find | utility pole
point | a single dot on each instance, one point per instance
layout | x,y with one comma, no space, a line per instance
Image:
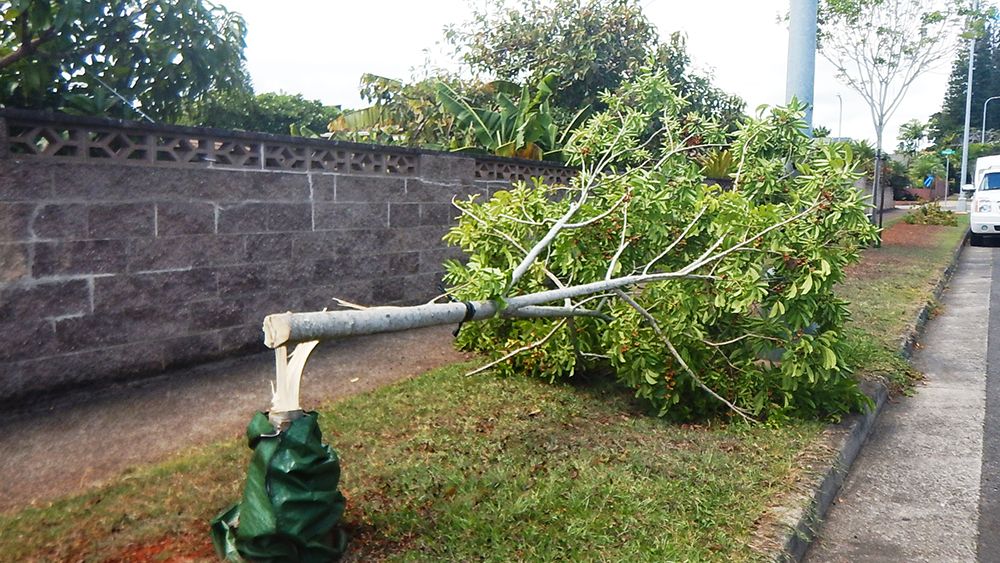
968,113
801,71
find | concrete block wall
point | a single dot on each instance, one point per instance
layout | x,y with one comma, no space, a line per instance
116,268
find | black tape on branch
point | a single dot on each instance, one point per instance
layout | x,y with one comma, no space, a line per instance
470,311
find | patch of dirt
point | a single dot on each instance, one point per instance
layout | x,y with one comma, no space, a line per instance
904,234
185,548
874,266
367,543
875,263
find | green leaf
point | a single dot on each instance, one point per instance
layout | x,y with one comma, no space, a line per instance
807,284
829,358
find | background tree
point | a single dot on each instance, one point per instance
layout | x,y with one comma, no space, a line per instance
891,174
879,47
911,136
408,114
895,174
270,112
703,98
924,165
163,54
947,126
518,123
592,45
864,152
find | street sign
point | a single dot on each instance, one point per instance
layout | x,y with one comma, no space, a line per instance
928,181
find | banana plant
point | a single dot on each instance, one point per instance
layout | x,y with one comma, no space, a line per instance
400,114
373,124
524,128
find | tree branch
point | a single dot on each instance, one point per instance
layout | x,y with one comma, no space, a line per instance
677,240
300,327
548,312
27,49
673,351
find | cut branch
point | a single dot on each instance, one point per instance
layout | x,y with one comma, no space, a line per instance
285,328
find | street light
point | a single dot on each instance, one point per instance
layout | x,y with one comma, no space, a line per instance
968,115
982,138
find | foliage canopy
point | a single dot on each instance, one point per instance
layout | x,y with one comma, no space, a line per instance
519,123
946,126
164,54
592,45
880,47
924,165
405,113
759,324
911,136
568,52
270,112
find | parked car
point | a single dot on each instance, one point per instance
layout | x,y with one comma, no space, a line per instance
985,211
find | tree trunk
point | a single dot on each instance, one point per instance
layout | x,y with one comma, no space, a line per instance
878,194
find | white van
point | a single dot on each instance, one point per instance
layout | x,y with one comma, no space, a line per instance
985,211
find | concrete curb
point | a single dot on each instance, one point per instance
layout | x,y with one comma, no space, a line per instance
807,519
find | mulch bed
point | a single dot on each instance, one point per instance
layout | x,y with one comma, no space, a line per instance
875,263
904,234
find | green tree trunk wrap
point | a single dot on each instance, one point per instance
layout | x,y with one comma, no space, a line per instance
291,504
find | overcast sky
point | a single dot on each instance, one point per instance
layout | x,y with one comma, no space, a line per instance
320,48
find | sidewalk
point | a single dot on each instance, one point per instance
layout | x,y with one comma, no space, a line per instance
913,492
82,440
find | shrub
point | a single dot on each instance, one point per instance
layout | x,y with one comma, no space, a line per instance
931,214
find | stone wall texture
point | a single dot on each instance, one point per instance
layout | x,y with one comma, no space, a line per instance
129,249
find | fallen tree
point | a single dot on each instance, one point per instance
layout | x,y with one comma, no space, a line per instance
697,296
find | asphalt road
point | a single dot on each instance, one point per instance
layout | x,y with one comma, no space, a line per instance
926,487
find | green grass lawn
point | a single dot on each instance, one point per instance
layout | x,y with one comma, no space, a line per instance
452,467
447,466
889,288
